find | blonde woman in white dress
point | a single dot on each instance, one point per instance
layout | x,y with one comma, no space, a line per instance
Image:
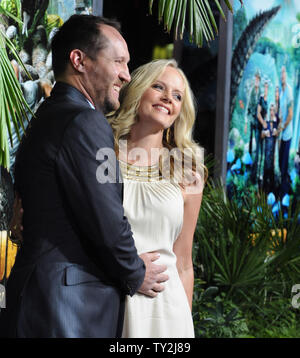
156,115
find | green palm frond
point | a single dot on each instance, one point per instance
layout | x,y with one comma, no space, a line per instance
13,12
194,15
13,106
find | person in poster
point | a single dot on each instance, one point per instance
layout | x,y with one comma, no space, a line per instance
265,38
252,115
286,106
269,136
262,110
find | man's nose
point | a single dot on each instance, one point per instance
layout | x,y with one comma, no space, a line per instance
125,75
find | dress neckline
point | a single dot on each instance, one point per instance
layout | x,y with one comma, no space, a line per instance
140,173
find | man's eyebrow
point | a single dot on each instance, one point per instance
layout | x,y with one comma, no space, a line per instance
123,58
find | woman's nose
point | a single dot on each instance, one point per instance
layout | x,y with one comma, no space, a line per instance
166,96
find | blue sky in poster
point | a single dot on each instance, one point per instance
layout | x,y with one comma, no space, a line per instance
65,8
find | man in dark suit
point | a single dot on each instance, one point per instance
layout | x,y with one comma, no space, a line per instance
78,259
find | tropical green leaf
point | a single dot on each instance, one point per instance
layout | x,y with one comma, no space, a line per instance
13,107
161,7
199,23
227,2
220,9
244,250
9,14
211,16
191,18
170,13
182,18
179,17
199,27
150,6
205,19
11,47
210,292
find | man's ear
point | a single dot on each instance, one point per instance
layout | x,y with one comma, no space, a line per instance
77,59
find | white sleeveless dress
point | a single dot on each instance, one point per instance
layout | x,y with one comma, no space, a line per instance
154,208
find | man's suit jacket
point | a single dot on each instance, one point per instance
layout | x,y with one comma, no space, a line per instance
78,258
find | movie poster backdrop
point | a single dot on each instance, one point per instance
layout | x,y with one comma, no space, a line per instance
264,129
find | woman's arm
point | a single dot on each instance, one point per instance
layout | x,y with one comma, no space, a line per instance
184,244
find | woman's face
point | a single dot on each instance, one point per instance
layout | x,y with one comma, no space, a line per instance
161,104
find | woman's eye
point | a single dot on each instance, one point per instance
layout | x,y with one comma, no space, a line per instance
158,86
178,97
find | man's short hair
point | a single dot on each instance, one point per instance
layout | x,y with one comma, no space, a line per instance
78,32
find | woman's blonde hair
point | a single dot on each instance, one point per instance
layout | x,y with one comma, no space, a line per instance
179,135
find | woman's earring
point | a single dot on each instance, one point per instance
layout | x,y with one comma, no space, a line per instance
168,132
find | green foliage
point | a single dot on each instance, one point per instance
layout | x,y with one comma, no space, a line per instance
241,188
224,230
196,15
214,316
13,9
253,259
12,103
275,319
